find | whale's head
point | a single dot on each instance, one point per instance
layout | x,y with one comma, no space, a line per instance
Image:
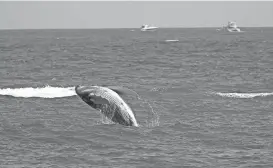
86,93
83,91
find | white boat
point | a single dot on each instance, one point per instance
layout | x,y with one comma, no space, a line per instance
232,27
148,28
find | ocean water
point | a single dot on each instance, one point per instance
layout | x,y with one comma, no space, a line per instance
210,94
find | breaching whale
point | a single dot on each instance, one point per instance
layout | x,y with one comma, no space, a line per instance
108,101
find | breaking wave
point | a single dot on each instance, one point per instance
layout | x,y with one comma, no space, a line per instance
41,92
244,95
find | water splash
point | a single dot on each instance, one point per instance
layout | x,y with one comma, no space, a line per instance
154,120
105,120
41,92
243,95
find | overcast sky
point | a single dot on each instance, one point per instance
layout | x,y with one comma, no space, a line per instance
50,14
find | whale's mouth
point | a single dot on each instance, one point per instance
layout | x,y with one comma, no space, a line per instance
79,90
82,90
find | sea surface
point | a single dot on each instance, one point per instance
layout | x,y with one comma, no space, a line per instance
206,98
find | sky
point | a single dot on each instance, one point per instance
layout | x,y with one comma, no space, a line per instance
132,14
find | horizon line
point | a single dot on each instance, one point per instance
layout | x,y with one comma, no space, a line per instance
126,28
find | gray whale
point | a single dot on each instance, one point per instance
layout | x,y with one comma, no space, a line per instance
108,102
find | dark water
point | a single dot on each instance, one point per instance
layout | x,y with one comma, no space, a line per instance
211,91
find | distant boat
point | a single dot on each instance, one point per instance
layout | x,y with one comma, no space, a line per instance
231,27
148,28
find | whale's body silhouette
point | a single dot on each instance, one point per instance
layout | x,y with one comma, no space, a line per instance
108,102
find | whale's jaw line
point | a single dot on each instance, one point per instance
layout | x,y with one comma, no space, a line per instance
83,90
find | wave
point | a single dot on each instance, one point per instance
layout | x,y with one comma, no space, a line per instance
41,92
244,95
172,40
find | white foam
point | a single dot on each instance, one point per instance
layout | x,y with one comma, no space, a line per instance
244,95
171,40
42,92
